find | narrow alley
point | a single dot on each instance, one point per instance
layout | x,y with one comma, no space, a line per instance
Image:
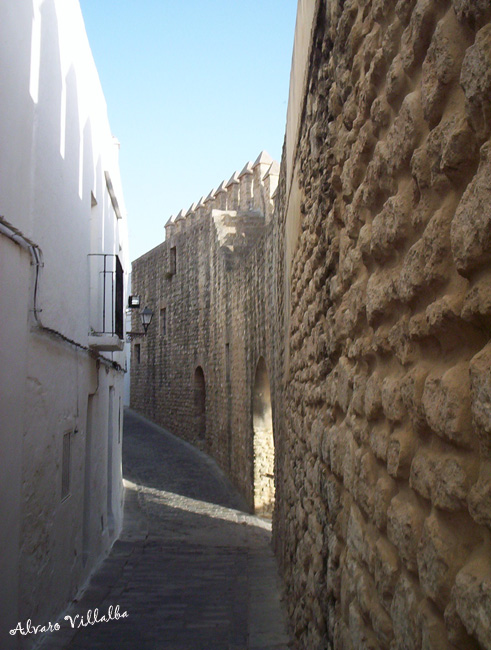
192,569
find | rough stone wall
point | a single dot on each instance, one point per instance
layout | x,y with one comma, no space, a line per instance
384,489
219,316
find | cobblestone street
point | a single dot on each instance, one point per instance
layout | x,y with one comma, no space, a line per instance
192,569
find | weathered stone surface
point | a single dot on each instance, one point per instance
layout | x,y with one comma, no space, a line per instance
475,79
447,404
441,66
472,593
385,490
440,555
480,372
477,303
387,569
433,632
444,478
471,226
405,520
405,614
480,496
400,452
473,12
426,264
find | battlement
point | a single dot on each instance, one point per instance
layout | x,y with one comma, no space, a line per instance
250,191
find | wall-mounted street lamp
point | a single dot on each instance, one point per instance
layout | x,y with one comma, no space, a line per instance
146,316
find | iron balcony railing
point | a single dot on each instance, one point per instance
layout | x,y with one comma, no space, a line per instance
106,295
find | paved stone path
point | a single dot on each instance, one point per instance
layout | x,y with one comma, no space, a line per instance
192,569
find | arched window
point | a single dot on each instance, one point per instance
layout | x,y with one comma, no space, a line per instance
200,403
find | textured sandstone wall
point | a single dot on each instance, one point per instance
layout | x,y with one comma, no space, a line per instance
384,440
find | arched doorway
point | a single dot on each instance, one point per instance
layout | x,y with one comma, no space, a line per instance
262,422
200,403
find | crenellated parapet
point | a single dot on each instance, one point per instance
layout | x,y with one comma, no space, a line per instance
250,192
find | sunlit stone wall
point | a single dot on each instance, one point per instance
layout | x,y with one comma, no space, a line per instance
384,475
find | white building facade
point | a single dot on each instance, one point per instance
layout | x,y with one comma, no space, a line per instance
63,264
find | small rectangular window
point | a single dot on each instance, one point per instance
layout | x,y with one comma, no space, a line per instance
137,352
65,466
173,261
163,321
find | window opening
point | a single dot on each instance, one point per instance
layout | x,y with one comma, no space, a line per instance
163,321
173,261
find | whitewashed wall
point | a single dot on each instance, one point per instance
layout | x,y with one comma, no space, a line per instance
55,147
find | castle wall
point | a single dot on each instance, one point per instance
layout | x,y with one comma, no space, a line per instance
383,490
217,307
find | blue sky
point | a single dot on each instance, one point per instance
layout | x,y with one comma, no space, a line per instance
194,89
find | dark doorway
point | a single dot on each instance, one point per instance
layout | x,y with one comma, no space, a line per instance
200,403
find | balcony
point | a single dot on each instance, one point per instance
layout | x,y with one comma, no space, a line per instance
106,303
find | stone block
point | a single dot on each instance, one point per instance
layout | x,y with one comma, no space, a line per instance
343,376
382,625
447,405
441,554
459,151
476,307
472,594
338,448
386,570
379,440
404,134
366,473
400,453
420,166
404,10
433,632
401,343
480,380
380,293
405,614
405,520
475,79
474,13
390,227
385,490
426,264
442,66
456,632
480,496
396,82
361,634
331,491
392,403
380,112
443,477
417,35
412,387
358,398
356,534
373,396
